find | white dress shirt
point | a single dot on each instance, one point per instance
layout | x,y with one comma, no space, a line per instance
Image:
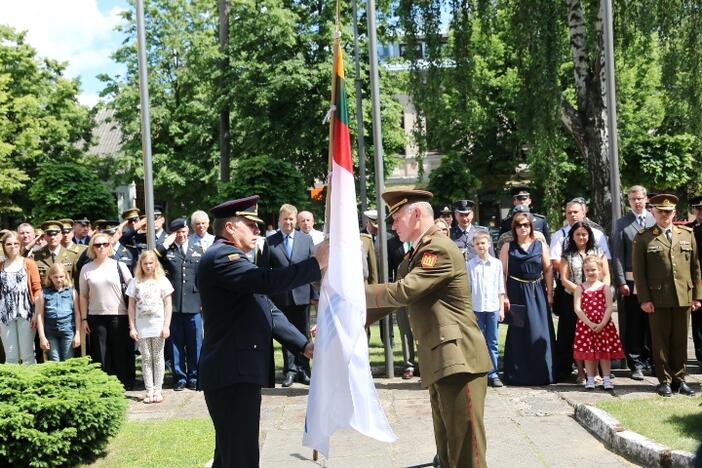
487,283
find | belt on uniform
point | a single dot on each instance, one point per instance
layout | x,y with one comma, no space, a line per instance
527,281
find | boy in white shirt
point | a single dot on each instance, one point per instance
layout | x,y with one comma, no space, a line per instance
488,290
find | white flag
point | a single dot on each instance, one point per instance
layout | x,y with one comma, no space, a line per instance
342,392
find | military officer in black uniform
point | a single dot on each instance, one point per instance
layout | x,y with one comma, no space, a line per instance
464,230
446,213
180,260
239,322
696,225
523,197
81,229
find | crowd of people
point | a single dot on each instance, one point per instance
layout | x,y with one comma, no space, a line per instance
96,289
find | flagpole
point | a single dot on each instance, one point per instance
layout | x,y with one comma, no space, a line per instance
379,174
145,128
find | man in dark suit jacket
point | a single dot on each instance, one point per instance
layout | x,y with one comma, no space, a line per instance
284,248
396,253
240,322
181,259
633,322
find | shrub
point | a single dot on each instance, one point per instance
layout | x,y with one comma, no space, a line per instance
58,413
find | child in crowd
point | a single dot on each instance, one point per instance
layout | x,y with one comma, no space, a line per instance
149,320
58,317
596,338
488,290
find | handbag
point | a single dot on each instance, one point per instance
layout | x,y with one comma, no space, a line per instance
516,315
122,284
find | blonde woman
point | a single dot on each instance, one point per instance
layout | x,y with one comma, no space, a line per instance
104,310
149,320
20,287
442,225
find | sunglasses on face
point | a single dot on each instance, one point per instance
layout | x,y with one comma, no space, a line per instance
521,225
66,231
98,245
12,244
51,233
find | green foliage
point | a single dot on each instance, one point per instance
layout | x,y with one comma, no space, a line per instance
57,414
40,118
276,86
275,180
667,161
452,181
63,190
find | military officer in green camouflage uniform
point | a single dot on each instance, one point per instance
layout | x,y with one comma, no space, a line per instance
432,283
667,277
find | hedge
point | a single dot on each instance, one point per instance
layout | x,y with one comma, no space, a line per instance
57,413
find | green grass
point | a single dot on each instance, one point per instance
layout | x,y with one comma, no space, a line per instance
173,443
674,422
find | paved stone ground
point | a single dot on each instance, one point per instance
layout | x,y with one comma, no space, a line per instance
526,426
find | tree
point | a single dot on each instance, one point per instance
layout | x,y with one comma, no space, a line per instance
275,180
40,119
552,86
278,85
65,189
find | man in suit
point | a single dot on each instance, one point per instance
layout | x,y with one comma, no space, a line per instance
180,260
522,197
433,285
282,249
668,282
633,322
372,229
240,322
464,230
695,204
200,223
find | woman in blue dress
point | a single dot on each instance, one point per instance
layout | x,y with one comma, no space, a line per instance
529,349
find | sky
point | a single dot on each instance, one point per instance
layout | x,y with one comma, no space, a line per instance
80,32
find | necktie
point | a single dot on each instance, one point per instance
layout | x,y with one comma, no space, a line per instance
288,245
669,235
53,257
642,221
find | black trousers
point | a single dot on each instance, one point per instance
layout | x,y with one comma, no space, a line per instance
566,330
235,411
299,316
111,346
636,335
697,333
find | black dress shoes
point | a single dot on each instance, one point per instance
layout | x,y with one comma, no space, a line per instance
664,390
289,379
303,378
684,389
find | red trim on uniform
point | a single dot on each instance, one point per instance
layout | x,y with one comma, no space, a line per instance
473,426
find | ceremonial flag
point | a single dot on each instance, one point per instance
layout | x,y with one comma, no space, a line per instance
342,393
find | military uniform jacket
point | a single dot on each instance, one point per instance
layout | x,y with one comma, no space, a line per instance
44,260
433,286
666,274
625,229
240,320
464,239
697,232
370,264
181,270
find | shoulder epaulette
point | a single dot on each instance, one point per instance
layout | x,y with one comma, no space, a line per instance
686,228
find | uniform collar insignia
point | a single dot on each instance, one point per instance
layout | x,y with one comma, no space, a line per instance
656,231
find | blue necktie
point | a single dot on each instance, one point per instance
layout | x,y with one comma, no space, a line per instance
288,245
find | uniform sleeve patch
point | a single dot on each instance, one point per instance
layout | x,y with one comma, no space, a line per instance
233,257
428,260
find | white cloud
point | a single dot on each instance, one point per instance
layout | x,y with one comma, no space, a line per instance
75,31
88,99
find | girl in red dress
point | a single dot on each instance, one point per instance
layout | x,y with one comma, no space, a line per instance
596,338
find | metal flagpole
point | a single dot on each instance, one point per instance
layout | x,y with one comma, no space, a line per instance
379,173
612,113
145,128
359,114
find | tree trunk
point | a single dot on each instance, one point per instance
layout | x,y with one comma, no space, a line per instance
224,130
588,123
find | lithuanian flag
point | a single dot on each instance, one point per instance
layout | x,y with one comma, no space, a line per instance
342,393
